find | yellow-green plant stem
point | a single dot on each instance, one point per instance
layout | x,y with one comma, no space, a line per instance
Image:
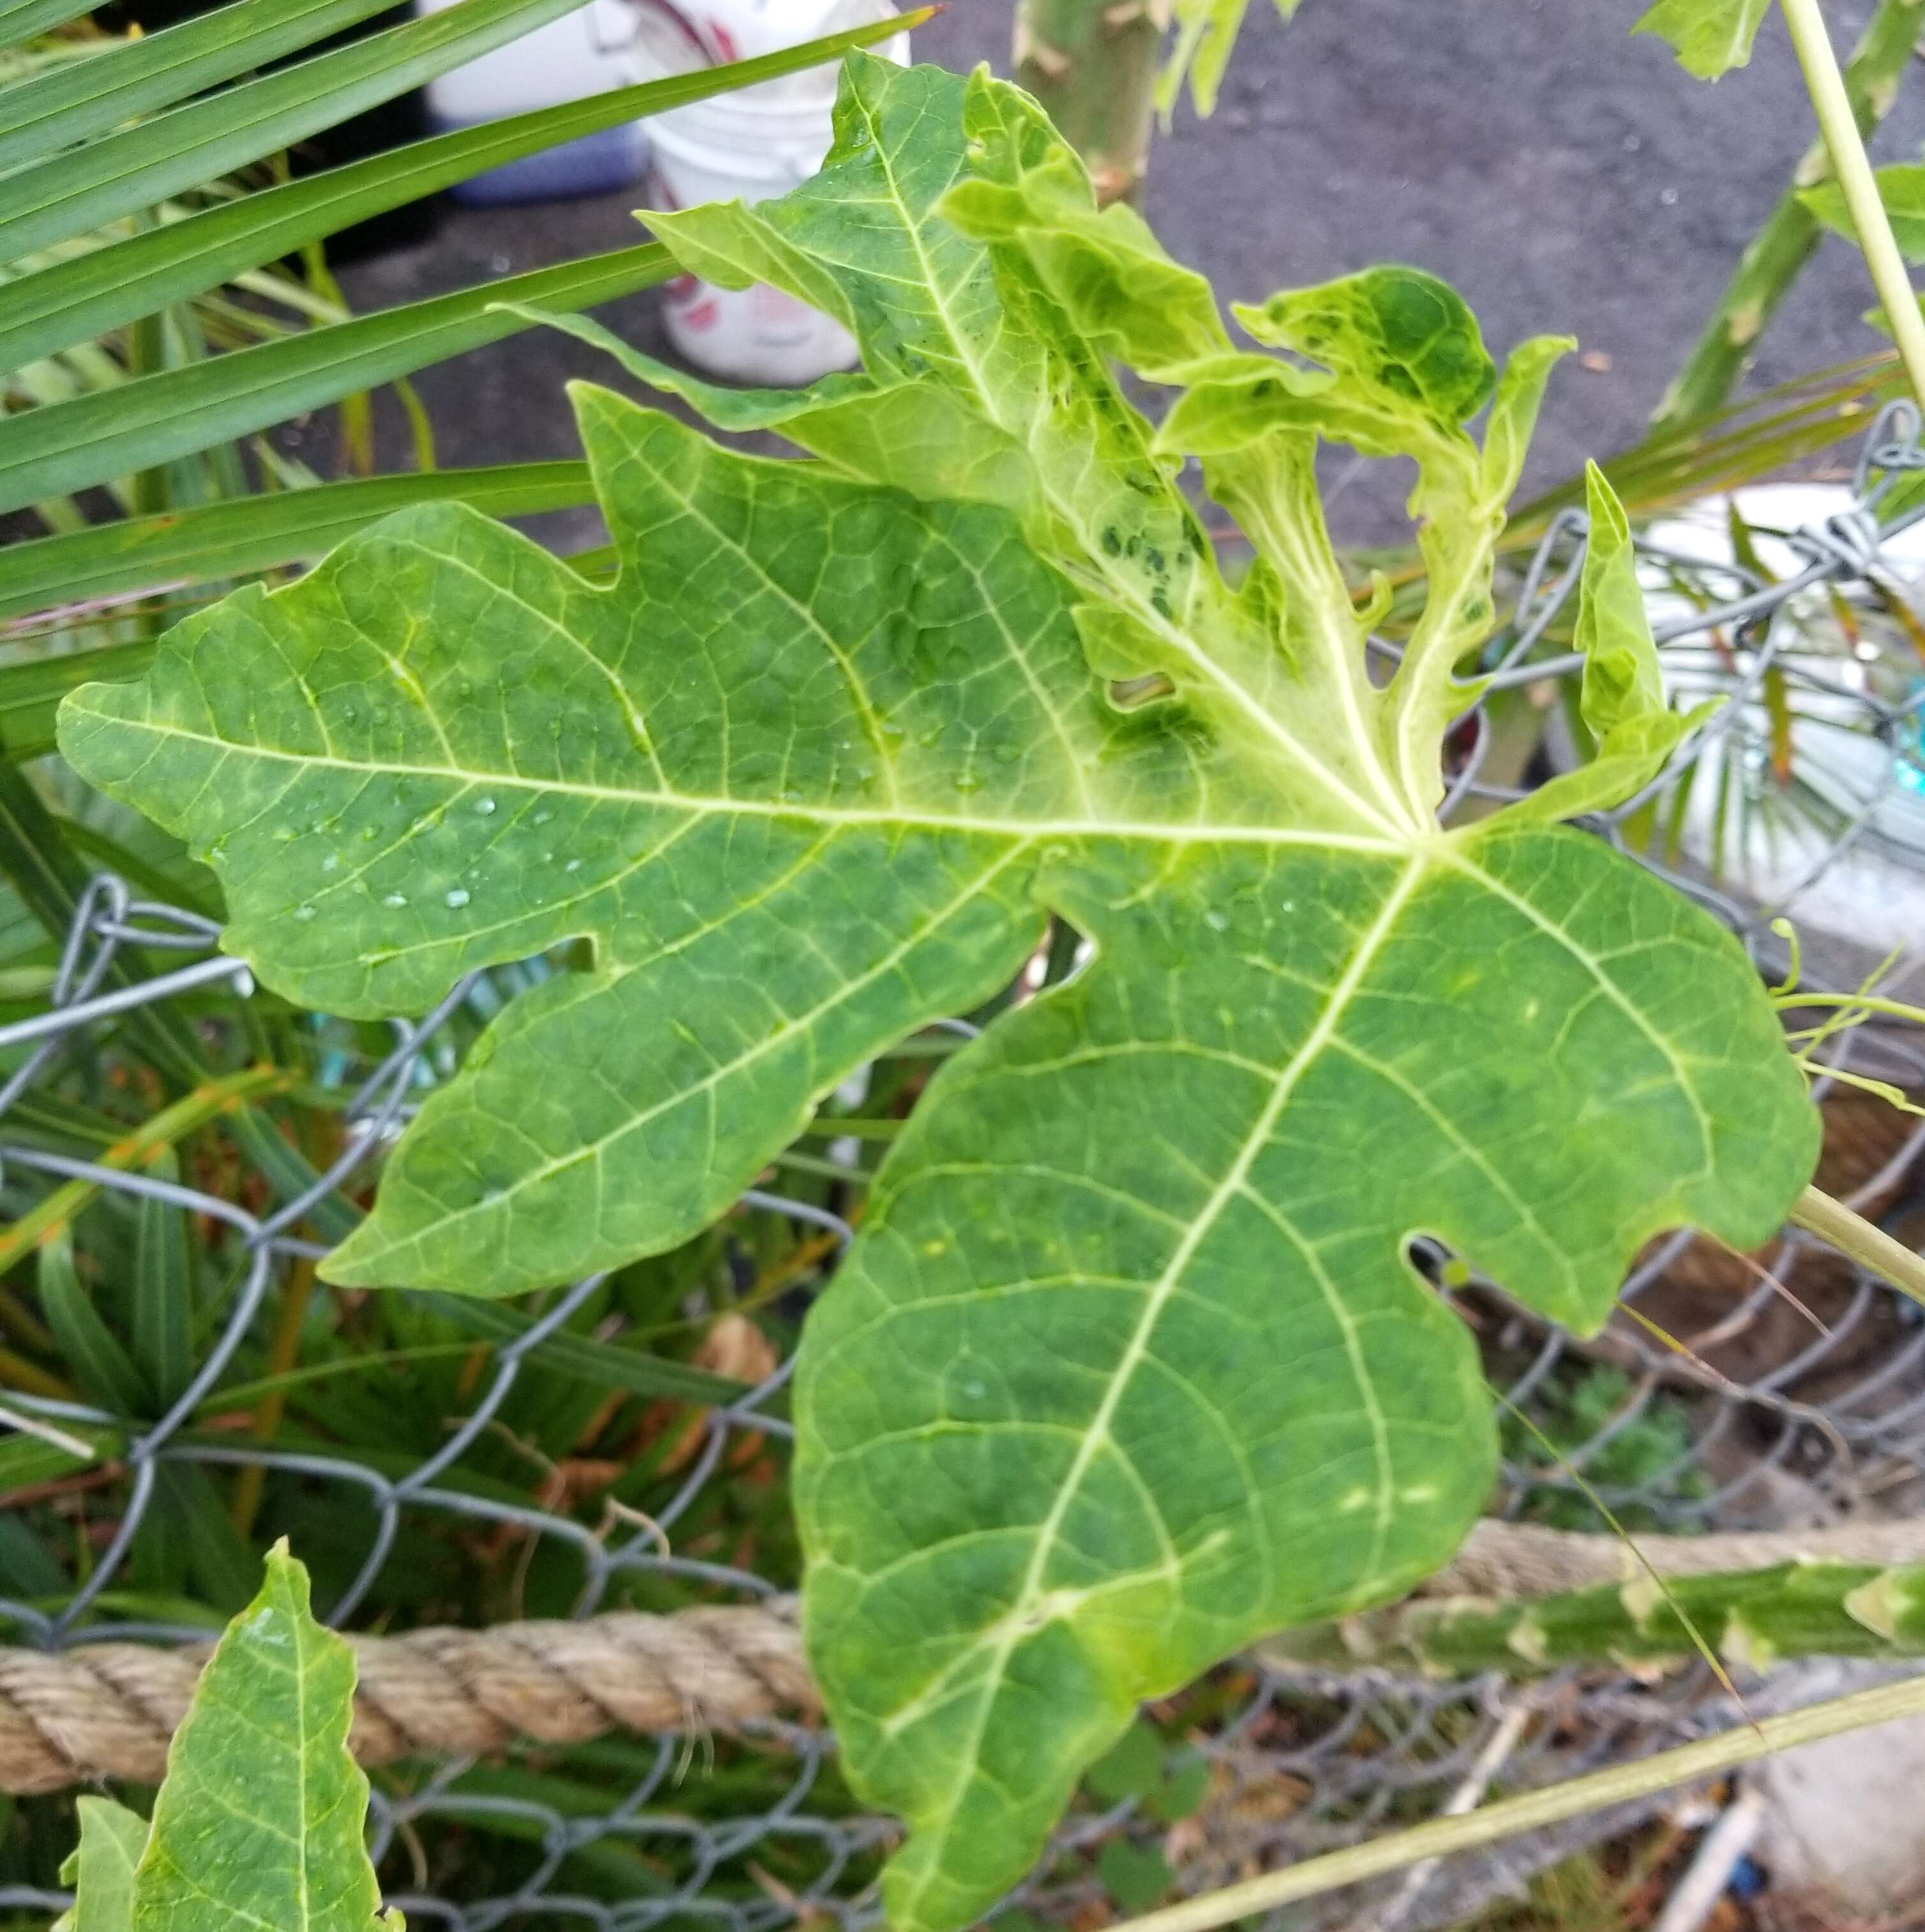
1868,1003
204,1105
1092,64
17,1373
1533,1810
1853,1236
1850,163
1804,1606
1778,253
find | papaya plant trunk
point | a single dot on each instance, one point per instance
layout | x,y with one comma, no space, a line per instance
1093,64
1779,252
1751,1617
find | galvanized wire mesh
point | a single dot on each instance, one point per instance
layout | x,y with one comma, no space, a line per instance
1780,1415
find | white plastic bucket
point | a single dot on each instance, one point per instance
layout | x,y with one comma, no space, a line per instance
581,54
757,335
750,146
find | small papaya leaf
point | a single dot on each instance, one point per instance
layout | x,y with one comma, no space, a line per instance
1622,699
1128,1364
260,1820
1709,37
951,323
1902,189
101,1868
1406,350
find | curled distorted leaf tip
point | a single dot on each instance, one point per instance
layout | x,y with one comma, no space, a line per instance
1621,698
1128,1365
1401,330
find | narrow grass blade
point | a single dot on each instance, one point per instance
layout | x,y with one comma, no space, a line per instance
22,19
66,104
93,439
31,692
93,1353
163,1290
25,1460
140,166
219,540
84,296
222,1569
603,1362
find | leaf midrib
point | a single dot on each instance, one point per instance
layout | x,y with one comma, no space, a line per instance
301,1669
1150,831
1012,1625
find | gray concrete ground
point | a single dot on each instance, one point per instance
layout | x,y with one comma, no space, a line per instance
1566,177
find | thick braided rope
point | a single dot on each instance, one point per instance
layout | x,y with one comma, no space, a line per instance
107,1710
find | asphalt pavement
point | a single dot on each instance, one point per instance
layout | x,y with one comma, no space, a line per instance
1565,176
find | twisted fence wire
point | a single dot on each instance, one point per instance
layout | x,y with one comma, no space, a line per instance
1294,1761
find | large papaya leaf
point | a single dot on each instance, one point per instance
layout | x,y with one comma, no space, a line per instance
1128,1364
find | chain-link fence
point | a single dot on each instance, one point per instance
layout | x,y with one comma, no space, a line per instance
1798,1393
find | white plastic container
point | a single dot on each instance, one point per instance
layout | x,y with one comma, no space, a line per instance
581,54
1872,893
750,146
1867,897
